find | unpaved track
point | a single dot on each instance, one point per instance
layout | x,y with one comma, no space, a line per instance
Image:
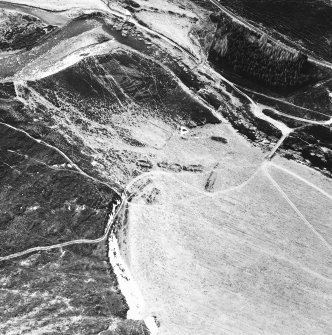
245,23
181,255
80,171
63,155
292,105
69,243
285,196
302,179
276,147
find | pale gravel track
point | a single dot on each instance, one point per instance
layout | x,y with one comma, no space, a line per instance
80,171
285,196
63,155
302,179
69,243
277,146
199,62
292,105
245,23
102,238
213,196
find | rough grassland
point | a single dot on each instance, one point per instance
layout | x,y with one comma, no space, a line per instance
242,258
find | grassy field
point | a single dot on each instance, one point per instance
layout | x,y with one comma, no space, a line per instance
218,239
237,260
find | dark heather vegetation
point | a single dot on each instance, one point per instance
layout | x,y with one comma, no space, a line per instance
18,31
295,109
317,151
64,291
291,123
258,59
304,24
43,200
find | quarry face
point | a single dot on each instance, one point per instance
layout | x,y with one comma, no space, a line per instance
165,167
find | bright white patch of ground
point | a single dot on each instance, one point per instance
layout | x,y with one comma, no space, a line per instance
65,54
240,263
150,133
174,27
128,287
150,322
62,4
232,163
58,19
180,7
257,110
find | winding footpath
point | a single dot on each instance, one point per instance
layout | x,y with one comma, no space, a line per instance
116,208
112,218
292,105
124,196
63,155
